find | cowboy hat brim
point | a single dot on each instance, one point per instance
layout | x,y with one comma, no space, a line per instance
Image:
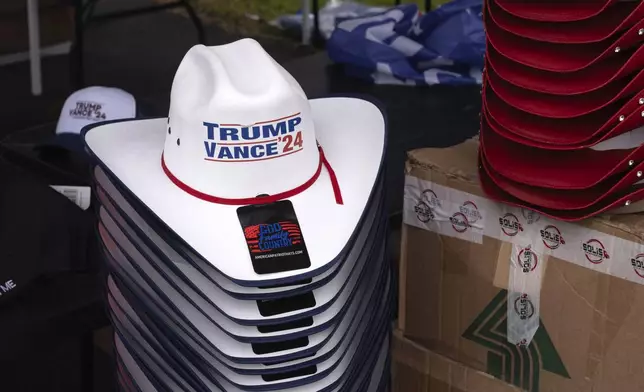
565,170
587,80
322,305
557,199
563,106
166,372
377,379
157,298
137,379
557,57
615,19
555,11
629,203
221,375
508,134
190,264
352,133
308,375
608,122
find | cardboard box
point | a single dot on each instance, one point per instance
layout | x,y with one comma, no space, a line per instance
541,304
417,369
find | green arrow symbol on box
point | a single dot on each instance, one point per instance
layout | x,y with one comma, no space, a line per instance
517,365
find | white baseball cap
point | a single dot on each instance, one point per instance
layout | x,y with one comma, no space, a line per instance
91,105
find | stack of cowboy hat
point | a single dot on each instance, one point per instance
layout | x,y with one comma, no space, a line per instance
245,234
562,127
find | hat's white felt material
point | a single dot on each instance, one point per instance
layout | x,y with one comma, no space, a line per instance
218,95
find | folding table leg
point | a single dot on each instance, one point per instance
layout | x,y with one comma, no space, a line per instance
33,24
201,35
77,61
317,36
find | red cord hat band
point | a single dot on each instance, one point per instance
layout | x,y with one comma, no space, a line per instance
265,199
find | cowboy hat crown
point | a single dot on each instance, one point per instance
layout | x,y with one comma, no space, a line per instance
239,125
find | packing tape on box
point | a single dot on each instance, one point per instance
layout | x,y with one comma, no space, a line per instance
524,290
454,213
451,217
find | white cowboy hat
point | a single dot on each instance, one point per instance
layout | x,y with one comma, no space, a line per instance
132,377
238,317
202,314
310,370
194,268
345,367
240,127
219,342
357,315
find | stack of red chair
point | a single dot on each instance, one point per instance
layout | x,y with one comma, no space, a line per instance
562,125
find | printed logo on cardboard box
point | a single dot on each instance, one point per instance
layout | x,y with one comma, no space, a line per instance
510,224
527,260
424,212
471,212
425,207
551,236
524,307
518,365
595,251
459,222
638,264
530,216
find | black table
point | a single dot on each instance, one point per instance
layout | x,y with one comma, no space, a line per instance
47,327
437,116
46,334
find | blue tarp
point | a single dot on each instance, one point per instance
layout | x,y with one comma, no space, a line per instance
400,46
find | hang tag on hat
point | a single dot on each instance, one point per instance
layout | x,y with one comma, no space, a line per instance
274,237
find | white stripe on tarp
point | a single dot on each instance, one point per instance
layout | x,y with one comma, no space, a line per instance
406,46
379,33
352,24
432,75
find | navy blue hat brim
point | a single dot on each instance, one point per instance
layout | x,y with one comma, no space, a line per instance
69,141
